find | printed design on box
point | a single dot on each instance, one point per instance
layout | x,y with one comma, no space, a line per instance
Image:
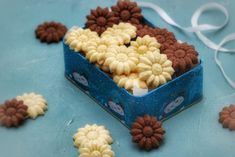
174,104
170,107
117,108
80,79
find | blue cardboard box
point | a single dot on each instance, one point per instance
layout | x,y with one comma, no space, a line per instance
162,102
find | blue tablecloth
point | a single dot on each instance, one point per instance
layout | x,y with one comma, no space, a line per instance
27,65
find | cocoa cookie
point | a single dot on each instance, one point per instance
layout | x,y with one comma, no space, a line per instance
147,132
127,11
227,117
13,113
143,30
183,56
164,37
50,32
100,19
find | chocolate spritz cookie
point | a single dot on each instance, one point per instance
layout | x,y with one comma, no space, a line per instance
13,113
127,11
50,32
164,37
143,30
147,132
100,19
227,117
183,56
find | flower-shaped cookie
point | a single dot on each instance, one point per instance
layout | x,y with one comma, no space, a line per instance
227,117
97,49
143,30
116,36
13,113
164,37
155,68
127,11
77,38
126,28
100,19
183,57
121,60
147,132
145,44
130,81
121,33
104,68
36,104
96,150
50,32
92,134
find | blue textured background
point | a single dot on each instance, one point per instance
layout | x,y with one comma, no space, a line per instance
27,65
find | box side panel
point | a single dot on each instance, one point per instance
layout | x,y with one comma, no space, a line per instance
95,83
170,98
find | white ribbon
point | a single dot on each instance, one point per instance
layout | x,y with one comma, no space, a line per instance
196,28
227,39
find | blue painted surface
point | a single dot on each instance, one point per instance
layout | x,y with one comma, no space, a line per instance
27,65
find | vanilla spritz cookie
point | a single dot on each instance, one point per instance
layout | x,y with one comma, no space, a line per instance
145,44
116,35
121,60
96,150
126,28
155,68
92,134
121,33
77,38
97,49
37,105
130,81
103,67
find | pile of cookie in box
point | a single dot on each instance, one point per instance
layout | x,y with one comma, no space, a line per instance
130,51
